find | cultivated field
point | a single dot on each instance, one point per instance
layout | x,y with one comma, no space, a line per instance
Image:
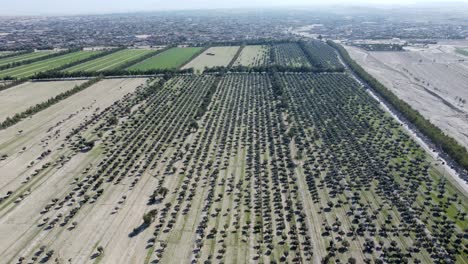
109,62
462,51
434,81
289,54
214,56
169,59
29,70
234,168
21,97
253,55
23,57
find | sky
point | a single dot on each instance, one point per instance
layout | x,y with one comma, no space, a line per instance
67,7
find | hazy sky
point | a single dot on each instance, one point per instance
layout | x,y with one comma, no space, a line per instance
45,7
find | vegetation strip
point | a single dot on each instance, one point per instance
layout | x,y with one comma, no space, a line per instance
93,57
437,136
13,54
142,58
236,56
12,84
10,121
29,61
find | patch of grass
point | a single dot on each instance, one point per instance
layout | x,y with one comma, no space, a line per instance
23,57
109,62
29,70
169,59
462,51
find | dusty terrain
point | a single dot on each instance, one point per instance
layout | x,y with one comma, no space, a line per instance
212,57
46,131
253,55
433,80
21,97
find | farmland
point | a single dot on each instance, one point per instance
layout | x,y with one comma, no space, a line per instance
212,57
23,57
253,55
289,54
462,51
236,168
169,59
29,70
109,62
433,82
21,97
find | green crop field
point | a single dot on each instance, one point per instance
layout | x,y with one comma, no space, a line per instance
462,51
23,57
29,70
172,58
110,61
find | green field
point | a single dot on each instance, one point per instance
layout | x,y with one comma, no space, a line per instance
23,57
29,70
169,59
462,51
109,62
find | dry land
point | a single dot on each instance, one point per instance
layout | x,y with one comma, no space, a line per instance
19,98
254,55
433,80
220,169
214,56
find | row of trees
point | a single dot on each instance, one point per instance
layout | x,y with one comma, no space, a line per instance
12,54
10,121
114,72
446,143
11,84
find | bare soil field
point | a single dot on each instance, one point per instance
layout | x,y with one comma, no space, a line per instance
433,80
212,57
253,55
28,172
21,97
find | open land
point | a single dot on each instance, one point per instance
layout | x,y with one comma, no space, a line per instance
23,57
109,62
253,55
212,57
21,97
169,59
29,70
433,80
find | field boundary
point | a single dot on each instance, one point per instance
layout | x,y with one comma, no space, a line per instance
196,54
10,121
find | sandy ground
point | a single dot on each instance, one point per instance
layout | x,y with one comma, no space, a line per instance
19,98
254,55
433,80
219,56
20,220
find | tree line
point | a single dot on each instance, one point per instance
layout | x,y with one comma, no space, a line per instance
10,121
449,145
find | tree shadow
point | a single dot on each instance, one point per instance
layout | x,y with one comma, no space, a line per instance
136,231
